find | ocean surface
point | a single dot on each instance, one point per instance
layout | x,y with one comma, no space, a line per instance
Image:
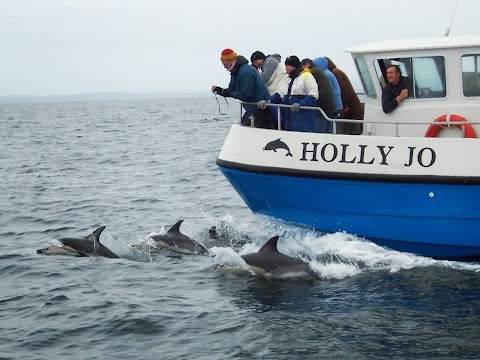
137,167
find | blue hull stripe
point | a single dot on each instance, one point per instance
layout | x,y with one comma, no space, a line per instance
435,220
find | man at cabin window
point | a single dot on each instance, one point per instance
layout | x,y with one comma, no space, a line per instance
395,91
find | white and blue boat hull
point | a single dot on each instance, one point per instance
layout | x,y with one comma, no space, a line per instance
425,208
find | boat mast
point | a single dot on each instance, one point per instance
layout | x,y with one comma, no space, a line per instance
451,19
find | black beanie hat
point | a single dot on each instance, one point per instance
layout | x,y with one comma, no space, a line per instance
257,55
307,61
292,61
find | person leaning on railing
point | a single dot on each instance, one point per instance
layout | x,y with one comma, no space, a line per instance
352,107
322,63
325,100
245,85
271,70
300,89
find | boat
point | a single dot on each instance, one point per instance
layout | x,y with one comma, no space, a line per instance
409,182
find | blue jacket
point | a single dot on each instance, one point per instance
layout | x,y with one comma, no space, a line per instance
247,85
322,63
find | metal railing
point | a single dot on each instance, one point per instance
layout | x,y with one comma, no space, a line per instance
334,121
279,106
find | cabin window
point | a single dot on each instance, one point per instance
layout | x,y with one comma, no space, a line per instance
471,75
425,76
365,77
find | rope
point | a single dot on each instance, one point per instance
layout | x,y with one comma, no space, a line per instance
219,107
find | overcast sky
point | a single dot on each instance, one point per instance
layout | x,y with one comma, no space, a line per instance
52,47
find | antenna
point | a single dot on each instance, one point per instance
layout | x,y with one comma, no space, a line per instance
451,19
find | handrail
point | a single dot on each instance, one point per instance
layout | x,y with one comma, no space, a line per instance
355,121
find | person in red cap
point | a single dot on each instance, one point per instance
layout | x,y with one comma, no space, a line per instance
245,85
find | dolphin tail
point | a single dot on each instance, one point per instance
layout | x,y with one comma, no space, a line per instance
289,154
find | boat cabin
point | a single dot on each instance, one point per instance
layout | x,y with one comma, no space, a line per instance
443,78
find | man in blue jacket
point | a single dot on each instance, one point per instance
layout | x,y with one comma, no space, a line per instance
245,85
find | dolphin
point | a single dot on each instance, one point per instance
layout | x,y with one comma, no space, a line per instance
278,144
174,240
225,235
272,264
87,246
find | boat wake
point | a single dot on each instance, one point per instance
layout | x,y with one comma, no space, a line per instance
332,256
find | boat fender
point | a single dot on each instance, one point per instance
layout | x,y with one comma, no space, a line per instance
450,120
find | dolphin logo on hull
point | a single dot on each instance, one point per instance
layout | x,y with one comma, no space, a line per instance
278,144
87,246
175,241
272,264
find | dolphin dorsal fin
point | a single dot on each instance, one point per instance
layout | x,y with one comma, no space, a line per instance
175,228
270,245
95,234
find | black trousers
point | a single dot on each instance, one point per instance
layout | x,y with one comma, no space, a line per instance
262,119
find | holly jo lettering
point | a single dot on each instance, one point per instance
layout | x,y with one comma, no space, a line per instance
365,154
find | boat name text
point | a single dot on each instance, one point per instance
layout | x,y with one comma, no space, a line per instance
345,153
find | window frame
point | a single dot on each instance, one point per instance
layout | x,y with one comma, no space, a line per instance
365,77
475,73
412,76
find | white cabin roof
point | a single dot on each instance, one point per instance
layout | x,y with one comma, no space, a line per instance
418,44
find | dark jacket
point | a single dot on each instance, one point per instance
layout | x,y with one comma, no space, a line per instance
325,93
322,62
247,85
389,94
352,108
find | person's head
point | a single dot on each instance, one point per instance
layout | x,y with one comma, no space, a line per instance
331,64
257,59
307,63
291,63
393,74
228,58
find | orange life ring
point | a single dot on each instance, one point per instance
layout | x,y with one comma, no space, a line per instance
450,120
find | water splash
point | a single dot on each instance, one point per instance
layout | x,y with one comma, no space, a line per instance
332,256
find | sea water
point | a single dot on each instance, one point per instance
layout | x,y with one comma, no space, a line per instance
139,166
